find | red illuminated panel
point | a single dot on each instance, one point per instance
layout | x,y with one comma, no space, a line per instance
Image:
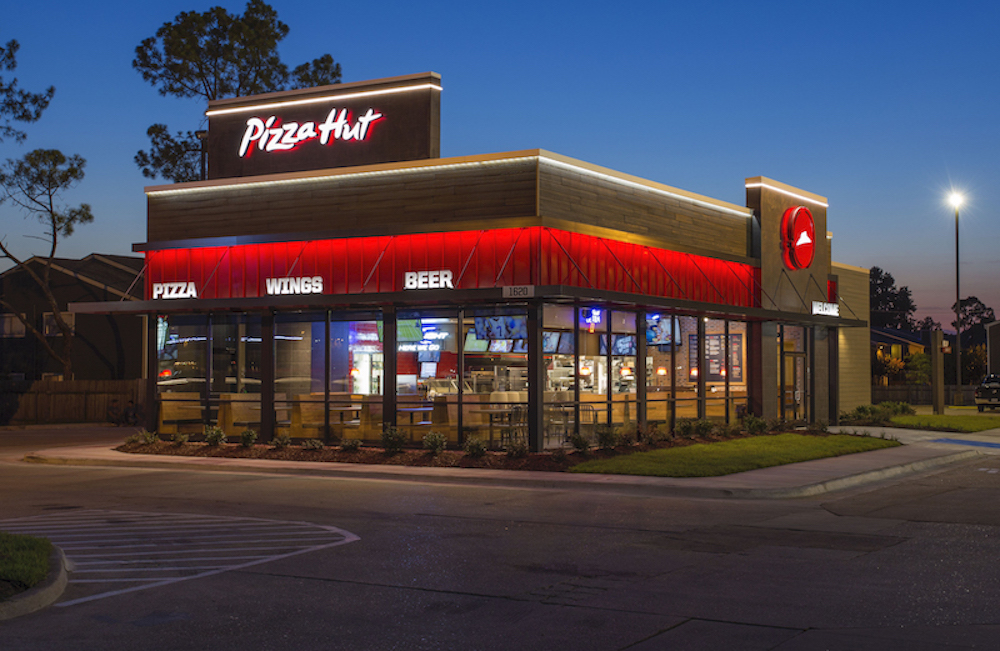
798,237
474,260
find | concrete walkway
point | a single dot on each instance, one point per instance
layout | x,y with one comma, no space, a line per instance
922,451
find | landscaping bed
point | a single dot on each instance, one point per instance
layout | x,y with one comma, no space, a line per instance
515,459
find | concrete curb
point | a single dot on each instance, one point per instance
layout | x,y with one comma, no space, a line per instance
861,478
622,484
42,595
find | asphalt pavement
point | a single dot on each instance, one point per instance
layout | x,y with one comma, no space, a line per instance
922,451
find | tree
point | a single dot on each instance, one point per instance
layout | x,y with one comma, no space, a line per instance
15,103
35,184
974,364
212,55
890,307
918,368
926,324
973,312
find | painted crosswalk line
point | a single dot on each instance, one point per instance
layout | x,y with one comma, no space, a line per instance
117,552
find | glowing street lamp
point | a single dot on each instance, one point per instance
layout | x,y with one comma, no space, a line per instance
956,199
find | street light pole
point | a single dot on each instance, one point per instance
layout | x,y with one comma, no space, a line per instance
956,200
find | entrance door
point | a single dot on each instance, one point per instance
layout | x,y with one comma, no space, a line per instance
794,390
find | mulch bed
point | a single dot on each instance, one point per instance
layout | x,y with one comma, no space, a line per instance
546,461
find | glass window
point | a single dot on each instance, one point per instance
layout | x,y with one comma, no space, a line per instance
300,374
663,339
51,329
182,368
11,326
427,373
236,373
495,375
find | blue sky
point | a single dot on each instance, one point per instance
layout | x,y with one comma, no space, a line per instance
881,107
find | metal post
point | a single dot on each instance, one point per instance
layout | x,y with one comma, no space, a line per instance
958,323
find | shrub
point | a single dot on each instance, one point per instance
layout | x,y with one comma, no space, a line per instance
607,437
350,445
393,439
435,442
248,437
684,428
817,427
281,441
312,444
703,427
133,439
148,437
179,439
654,434
475,448
627,434
776,425
559,455
897,408
754,425
880,414
214,435
518,449
727,430
580,442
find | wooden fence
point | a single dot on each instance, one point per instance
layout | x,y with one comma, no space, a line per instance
75,401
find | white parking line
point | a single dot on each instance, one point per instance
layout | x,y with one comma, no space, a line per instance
163,543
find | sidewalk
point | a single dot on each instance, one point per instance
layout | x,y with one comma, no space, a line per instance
921,453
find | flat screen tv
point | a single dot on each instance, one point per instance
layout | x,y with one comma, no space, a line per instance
474,344
550,342
662,330
566,343
428,355
501,327
409,330
620,344
501,345
428,369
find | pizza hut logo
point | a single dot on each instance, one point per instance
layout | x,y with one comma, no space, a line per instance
798,237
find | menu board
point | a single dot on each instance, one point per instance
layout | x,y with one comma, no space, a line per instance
715,357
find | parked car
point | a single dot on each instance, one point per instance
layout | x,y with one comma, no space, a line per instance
988,393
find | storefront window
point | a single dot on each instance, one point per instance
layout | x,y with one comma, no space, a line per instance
593,364
182,369
495,375
560,411
623,367
427,373
236,371
299,373
662,343
687,369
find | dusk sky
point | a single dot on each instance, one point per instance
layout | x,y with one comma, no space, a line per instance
881,107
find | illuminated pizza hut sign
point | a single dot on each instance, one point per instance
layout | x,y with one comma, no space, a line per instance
272,134
798,237
342,125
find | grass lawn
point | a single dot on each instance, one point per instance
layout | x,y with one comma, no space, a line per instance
24,562
739,455
947,423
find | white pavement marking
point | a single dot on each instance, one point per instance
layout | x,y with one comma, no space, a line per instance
166,543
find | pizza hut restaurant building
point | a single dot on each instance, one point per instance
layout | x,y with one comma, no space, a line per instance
334,275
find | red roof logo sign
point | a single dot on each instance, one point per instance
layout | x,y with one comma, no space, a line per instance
798,237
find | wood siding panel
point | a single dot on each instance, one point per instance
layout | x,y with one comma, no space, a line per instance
674,223
855,343
420,201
